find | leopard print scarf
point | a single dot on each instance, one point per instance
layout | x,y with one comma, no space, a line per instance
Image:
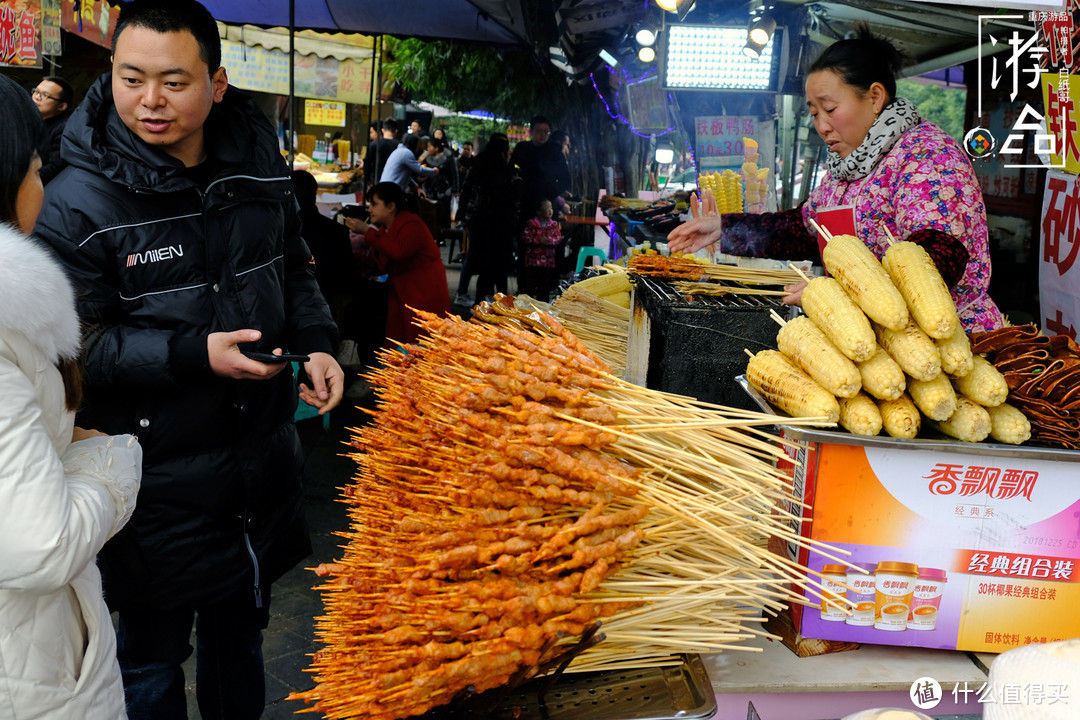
895,119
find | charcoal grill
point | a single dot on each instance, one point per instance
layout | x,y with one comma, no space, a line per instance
694,345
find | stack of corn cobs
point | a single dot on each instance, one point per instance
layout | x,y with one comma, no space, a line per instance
881,348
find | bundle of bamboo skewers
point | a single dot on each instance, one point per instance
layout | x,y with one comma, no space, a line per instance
600,324
690,269
514,496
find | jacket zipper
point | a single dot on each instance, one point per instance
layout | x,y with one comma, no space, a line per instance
254,564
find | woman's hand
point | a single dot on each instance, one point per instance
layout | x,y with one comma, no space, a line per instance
356,225
83,433
794,294
694,235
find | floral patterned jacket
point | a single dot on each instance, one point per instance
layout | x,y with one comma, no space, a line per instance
923,190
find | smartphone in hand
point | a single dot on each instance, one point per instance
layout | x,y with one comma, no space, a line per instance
271,358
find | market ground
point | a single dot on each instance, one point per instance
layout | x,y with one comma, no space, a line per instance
290,641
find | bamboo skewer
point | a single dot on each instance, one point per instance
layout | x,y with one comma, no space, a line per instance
824,232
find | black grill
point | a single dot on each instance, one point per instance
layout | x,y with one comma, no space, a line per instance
696,346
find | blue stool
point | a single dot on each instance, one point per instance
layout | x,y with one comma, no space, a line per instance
587,252
303,410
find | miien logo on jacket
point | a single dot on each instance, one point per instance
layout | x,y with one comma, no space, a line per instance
155,255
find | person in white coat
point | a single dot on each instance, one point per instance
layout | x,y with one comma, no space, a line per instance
64,490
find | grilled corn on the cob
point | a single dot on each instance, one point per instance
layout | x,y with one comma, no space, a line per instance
804,342
881,376
900,417
912,350
926,295
955,352
1009,425
935,398
859,415
984,384
860,273
785,385
970,422
825,301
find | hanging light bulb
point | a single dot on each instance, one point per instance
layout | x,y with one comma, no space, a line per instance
762,31
646,54
645,36
668,5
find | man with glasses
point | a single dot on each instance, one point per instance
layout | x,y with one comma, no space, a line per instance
53,99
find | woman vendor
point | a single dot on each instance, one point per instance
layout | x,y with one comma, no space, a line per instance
397,242
894,170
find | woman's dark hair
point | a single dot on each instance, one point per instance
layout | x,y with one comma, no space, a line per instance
437,143
18,142
165,16
391,193
862,61
412,141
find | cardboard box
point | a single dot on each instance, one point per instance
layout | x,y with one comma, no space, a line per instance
994,528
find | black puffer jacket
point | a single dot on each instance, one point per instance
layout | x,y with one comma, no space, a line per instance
158,263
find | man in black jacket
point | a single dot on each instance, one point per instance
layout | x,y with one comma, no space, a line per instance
53,97
176,220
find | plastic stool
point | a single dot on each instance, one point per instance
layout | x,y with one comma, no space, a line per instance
587,252
303,410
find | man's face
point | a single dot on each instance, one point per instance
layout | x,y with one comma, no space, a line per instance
466,150
163,90
414,127
540,133
47,98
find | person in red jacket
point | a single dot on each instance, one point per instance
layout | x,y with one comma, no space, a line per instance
398,243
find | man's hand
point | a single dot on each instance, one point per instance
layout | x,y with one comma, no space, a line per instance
694,235
226,359
327,380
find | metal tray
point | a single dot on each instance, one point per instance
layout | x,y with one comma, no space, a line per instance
933,442
683,691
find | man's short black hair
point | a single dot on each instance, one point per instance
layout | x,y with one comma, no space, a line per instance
165,16
539,119
391,124
66,93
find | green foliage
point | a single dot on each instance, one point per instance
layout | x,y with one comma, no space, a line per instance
942,106
469,129
509,83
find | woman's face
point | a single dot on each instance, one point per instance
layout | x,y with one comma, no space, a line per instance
29,197
380,212
842,117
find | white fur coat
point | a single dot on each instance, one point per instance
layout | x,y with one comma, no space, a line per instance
35,296
59,502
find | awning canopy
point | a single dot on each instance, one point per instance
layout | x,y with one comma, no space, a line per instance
340,46
495,22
